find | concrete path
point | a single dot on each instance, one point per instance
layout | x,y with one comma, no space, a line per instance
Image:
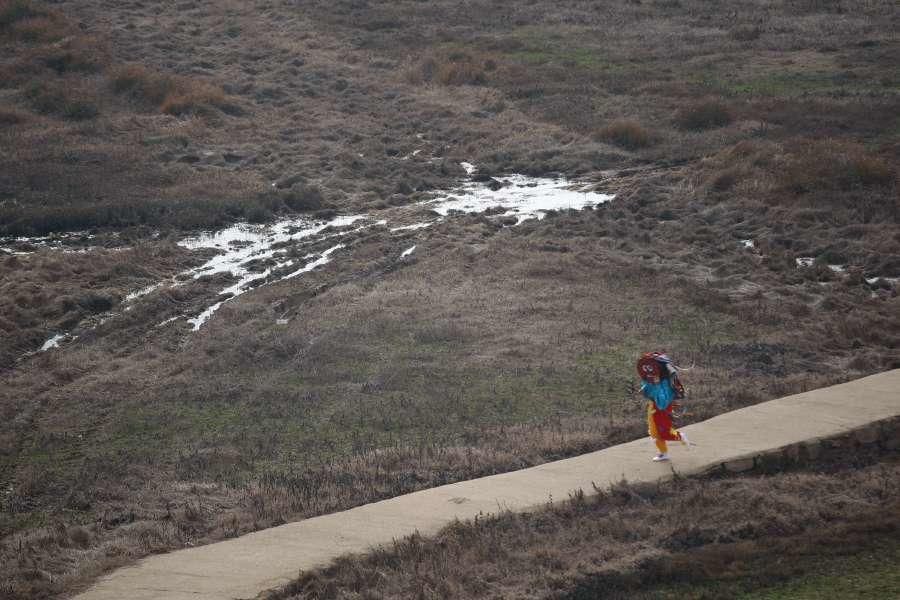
246,566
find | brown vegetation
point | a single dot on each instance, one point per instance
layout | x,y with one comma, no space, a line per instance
377,386
491,348
454,68
626,134
167,93
722,536
52,291
59,100
706,114
68,170
28,21
11,117
834,165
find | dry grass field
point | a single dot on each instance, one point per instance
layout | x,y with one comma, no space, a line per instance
491,348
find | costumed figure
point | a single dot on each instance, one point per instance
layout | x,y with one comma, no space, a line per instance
661,386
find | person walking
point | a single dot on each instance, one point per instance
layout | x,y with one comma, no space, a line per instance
661,386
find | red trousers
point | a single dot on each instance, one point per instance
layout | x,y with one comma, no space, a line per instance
659,426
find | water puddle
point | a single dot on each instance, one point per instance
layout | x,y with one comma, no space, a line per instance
142,292
883,282
167,321
324,259
414,226
243,245
76,241
243,285
11,252
886,280
259,255
53,342
519,196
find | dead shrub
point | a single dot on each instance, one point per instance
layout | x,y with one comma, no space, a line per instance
94,302
143,84
422,72
40,29
835,165
169,94
706,114
52,99
83,55
24,20
79,536
725,180
11,117
627,134
193,97
457,68
15,11
747,149
461,72
303,197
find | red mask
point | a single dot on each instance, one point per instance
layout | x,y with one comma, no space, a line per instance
648,368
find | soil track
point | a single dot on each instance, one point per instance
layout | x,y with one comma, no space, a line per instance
243,567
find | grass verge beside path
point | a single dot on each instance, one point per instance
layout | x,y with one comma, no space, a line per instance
815,531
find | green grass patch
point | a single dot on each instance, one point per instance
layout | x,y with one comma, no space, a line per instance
542,46
871,576
793,83
584,58
399,389
865,574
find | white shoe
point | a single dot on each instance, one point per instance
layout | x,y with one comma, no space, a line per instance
660,457
685,440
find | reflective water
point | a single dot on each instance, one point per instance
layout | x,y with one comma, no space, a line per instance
243,244
257,255
519,196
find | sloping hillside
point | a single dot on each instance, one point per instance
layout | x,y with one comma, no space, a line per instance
751,148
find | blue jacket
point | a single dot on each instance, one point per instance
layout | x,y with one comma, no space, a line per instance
661,393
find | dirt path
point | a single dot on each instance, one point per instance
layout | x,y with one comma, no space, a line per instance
243,567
